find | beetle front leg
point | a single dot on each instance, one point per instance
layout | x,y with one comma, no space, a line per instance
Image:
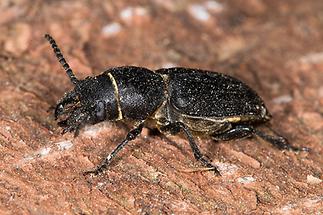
176,127
133,134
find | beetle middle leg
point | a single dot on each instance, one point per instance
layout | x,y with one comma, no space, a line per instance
175,128
133,134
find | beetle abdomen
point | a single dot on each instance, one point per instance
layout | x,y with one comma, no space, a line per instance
141,91
208,94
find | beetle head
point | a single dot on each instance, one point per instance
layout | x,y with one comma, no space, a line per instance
91,101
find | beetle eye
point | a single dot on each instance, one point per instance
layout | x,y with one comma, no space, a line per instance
100,111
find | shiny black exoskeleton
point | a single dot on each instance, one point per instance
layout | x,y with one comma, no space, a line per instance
174,99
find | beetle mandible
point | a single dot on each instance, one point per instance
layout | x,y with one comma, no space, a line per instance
176,99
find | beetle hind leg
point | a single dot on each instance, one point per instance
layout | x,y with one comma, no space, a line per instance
279,142
242,131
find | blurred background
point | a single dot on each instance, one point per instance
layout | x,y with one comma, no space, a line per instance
276,47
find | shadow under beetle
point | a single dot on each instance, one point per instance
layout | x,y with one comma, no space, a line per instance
175,99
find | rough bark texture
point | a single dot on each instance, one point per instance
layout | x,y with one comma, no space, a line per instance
274,46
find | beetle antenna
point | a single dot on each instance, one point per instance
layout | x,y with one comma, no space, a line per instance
61,59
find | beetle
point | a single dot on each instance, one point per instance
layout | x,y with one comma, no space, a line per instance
175,99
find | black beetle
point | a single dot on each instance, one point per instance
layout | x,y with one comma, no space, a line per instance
175,99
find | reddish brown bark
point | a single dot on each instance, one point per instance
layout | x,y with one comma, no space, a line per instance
274,46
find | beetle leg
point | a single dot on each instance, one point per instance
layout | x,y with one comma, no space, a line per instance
106,162
176,127
234,133
241,131
279,142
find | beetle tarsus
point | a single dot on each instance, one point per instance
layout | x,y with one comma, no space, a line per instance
206,162
133,134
